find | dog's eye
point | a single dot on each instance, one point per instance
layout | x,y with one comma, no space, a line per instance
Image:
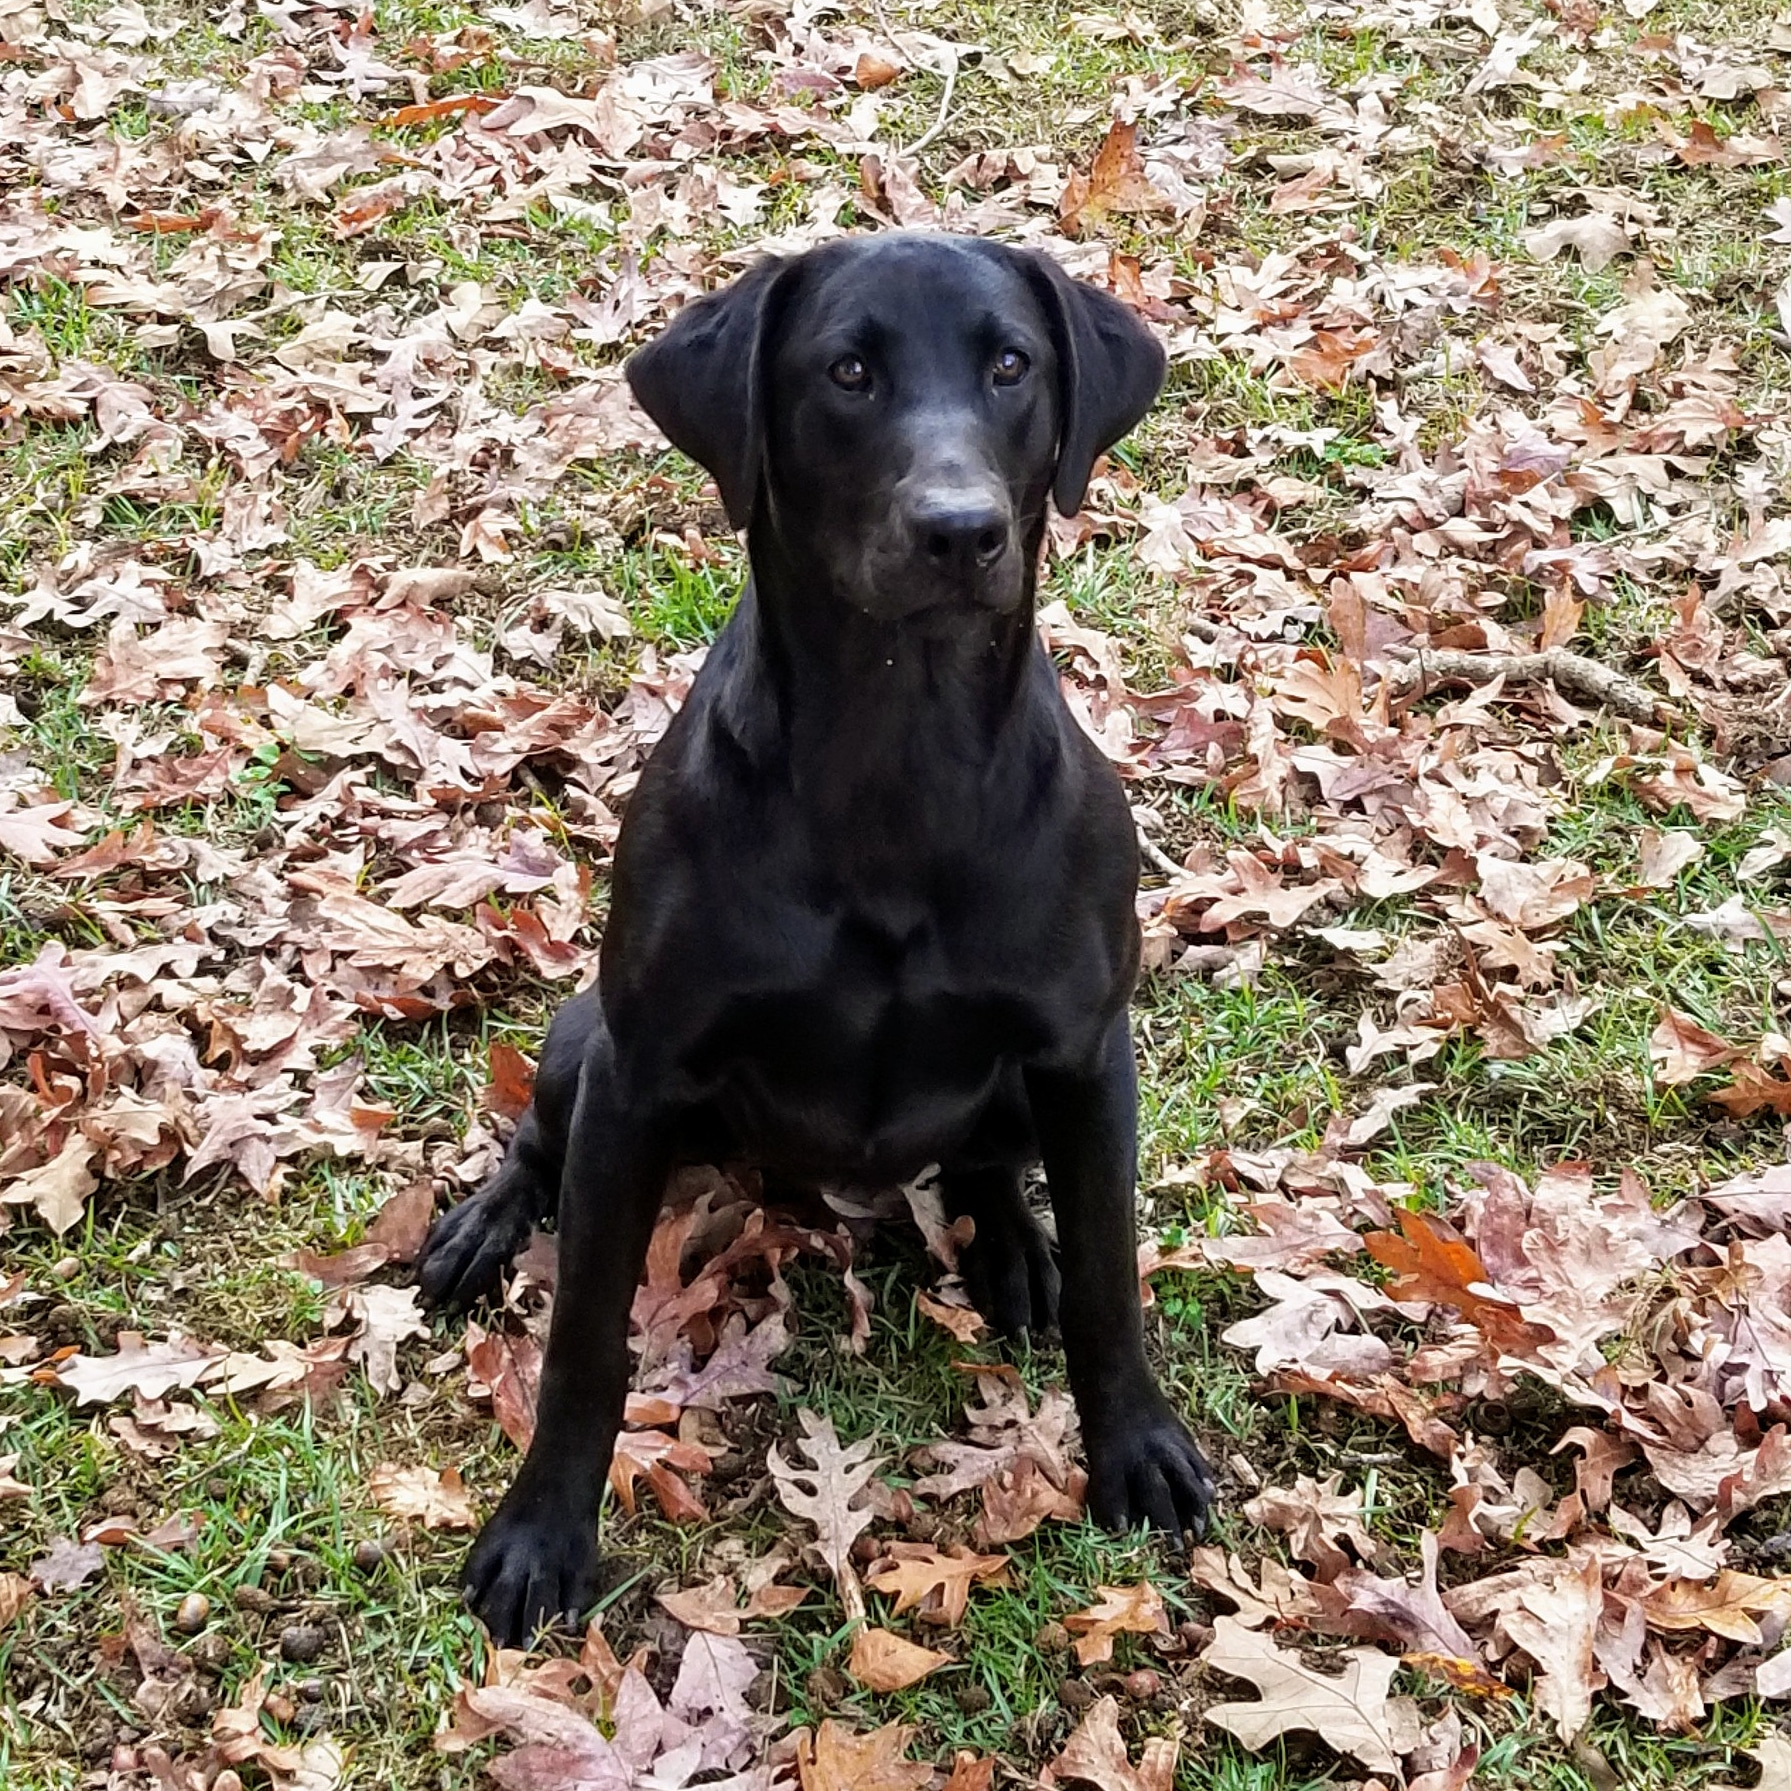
850,373
1010,367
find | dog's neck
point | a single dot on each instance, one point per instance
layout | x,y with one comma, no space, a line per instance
892,726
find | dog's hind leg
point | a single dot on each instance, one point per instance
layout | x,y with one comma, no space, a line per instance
1009,1266
471,1244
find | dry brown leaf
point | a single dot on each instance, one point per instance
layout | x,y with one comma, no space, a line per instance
438,1499
508,1365
1773,1756
1019,1499
1315,1518
964,1322
16,1591
149,1370
1095,1754
1726,1606
715,1606
1135,1610
883,1662
67,1564
1115,183
1555,1622
837,1759
1352,1711
938,1582
1682,1050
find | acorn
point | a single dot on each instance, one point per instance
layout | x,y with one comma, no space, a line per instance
194,1613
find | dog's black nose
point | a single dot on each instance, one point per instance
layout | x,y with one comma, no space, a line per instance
961,531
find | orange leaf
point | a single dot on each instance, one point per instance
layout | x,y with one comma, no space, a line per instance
512,1081
654,1454
1115,182
172,223
872,72
444,108
1753,1089
1434,1262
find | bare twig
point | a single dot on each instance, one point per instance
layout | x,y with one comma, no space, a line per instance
1573,672
1157,857
950,78
938,124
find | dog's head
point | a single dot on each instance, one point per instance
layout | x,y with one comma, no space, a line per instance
895,409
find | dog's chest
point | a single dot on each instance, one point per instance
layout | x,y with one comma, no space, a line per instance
882,1042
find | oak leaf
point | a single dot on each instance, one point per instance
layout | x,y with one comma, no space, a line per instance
1095,1754
1115,182
938,1582
147,1369
837,1759
1432,1261
833,1494
1136,1610
1681,1050
1352,1711
436,1499
715,1606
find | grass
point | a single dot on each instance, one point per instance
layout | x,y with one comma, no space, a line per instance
282,1500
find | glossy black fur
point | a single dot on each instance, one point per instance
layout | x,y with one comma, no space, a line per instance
873,898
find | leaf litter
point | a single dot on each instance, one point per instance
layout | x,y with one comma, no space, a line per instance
1401,677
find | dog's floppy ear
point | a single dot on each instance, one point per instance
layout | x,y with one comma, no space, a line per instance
1110,368
699,379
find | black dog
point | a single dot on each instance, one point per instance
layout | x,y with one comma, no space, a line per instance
873,899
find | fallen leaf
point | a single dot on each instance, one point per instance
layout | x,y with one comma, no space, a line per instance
58,1189
437,1499
836,1759
1682,1050
1432,1261
1114,184
937,1581
68,1564
1095,1754
1597,238
964,1322
16,1591
832,1494
1351,1711
1556,1623
149,1370
1117,1610
1664,855
715,1606
883,1662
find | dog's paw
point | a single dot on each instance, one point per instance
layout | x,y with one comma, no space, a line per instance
1149,1471
469,1247
534,1567
1010,1272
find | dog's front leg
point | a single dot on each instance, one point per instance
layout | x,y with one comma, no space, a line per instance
1143,1466
535,1562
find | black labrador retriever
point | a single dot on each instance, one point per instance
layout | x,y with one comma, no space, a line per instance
873,898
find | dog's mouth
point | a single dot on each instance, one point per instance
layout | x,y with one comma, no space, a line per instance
908,587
